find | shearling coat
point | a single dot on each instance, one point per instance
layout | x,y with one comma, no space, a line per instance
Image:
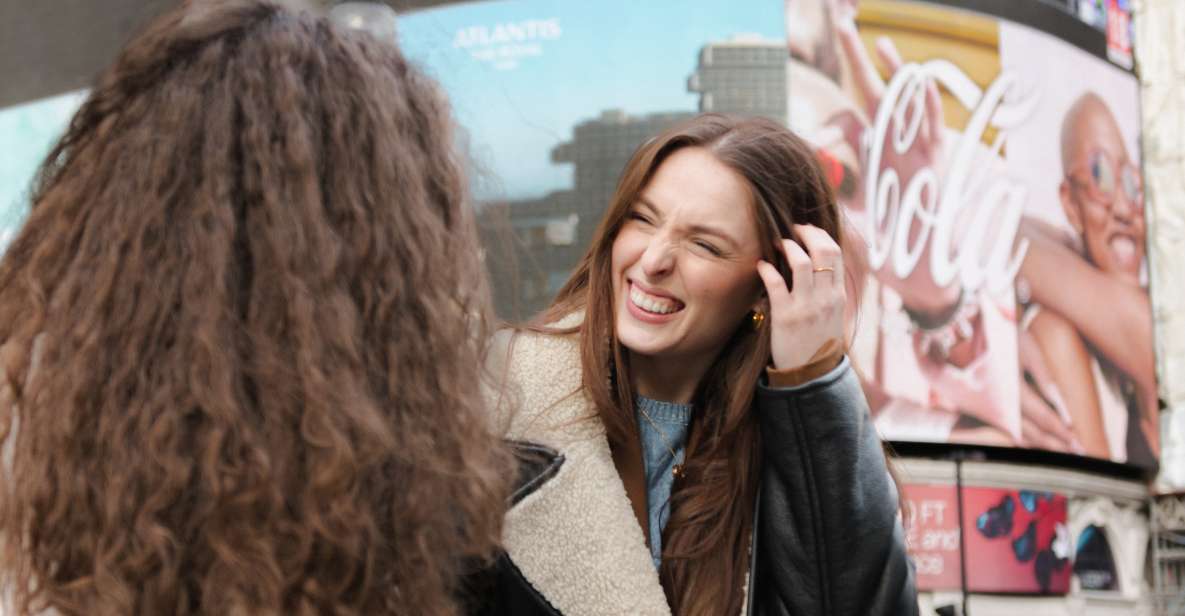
826,540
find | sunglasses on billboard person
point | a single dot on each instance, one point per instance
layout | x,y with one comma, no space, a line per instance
1098,354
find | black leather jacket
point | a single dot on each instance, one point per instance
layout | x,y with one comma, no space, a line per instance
827,539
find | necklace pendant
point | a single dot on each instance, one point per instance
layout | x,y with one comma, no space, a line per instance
677,471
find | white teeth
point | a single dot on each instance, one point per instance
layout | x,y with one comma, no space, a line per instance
651,303
1124,248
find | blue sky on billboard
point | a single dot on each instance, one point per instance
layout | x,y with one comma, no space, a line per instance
522,73
27,131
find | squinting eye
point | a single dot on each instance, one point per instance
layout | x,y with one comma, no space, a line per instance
638,217
708,247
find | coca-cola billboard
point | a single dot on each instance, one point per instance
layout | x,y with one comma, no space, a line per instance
990,165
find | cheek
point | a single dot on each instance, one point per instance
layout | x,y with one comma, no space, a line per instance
627,248
725,292
621,256
1097,220
1096,232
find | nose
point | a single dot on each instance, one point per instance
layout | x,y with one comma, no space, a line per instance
658,259
1124,208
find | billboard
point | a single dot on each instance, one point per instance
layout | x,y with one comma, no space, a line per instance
990,165
994,202
27,132
930,515
553,97
1018,540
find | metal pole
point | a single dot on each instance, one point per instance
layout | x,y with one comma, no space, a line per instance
1158,601
962,540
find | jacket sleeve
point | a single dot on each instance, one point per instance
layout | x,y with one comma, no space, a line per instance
827,537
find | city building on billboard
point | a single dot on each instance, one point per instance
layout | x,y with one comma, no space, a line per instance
529,248
532,245
598,151
745,75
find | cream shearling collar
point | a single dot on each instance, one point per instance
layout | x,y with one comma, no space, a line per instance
575,539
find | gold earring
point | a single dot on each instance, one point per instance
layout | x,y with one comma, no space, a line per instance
757,318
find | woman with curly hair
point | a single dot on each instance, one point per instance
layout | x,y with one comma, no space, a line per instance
243,328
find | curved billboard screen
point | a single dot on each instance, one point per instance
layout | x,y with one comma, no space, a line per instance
986,156
991,164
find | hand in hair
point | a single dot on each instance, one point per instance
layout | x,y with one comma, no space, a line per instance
806,321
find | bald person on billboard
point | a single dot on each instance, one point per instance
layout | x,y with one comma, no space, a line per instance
1089,312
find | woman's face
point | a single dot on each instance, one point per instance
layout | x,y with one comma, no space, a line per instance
684,261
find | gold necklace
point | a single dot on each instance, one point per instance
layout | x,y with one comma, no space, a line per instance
677,469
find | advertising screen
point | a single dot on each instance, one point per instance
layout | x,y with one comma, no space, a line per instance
988,166
930,515
27,132
553,97
992,170
1018,541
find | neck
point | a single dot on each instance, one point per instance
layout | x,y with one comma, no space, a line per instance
667,379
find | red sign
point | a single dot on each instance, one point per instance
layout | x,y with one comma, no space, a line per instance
1119,32
1017,541
932,534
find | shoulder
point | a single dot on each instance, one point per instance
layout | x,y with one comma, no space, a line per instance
528,355
538,374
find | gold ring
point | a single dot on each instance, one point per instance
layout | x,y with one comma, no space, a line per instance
824,269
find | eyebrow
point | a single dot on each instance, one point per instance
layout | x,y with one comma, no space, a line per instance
695,229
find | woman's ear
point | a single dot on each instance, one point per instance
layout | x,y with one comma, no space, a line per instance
762,303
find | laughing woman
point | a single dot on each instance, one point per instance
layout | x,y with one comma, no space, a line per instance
707,447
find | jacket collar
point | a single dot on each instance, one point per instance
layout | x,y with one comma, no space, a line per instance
573,536
536,465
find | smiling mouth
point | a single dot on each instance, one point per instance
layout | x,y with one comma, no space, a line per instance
1122,245
653,304
1124,248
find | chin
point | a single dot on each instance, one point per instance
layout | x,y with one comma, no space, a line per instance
638,342
1124,273
1132,277
641,340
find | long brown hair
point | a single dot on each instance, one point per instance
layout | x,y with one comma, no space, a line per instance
706,541
245,319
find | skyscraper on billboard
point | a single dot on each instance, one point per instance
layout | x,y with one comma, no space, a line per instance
598,151
744,75
532,245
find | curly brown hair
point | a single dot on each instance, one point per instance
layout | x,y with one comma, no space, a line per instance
244,325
